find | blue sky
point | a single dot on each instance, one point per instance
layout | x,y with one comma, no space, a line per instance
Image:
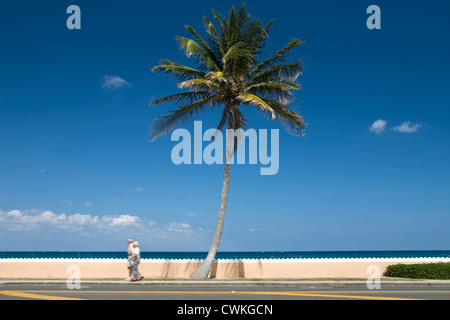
77,170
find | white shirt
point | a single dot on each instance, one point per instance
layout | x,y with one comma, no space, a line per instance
136,251
130,250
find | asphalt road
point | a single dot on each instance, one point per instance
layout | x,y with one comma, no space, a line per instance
224,300
219,292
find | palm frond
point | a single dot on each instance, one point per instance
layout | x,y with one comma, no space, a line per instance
218,76
214,39
278,56
232,27
179,71
206,48
199,85
180,97
253,36
237,61
193,49
223,35
288,117
183,114
282,85
278,90
249,98
240,121
259,41
284,72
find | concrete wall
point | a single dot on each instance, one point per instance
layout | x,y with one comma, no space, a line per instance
301,268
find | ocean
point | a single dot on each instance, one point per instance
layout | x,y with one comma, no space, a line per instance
228,255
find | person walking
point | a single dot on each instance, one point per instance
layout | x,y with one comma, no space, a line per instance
129,261
136,259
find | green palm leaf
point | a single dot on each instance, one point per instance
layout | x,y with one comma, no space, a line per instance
249,98
277,57
183,114
179,71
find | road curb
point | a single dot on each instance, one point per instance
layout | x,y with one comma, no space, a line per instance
196,283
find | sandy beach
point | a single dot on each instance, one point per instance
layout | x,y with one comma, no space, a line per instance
182,269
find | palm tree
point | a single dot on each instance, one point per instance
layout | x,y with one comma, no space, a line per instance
230,75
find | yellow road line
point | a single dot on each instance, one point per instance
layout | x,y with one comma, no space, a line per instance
89,291
353,297
371,291
323,294
34,296
329,294
296,292
142,291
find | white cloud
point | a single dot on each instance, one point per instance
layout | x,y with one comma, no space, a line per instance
378,127
138,189
14,213
88,203
45,221
179,227
114,83
124,220
407,127
82,219
16,220
49,218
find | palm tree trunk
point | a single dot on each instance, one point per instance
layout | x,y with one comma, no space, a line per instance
203,271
